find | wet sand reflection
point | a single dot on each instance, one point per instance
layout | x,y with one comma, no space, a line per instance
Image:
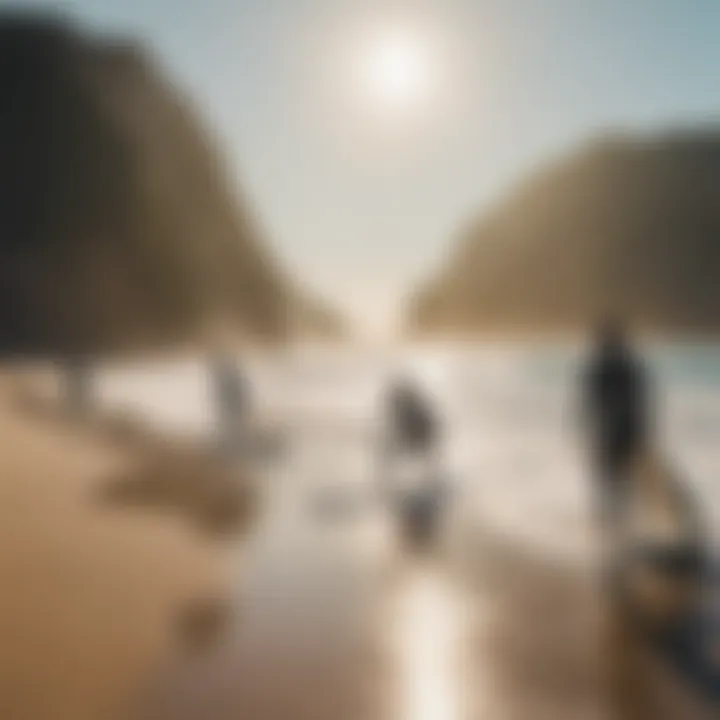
428,632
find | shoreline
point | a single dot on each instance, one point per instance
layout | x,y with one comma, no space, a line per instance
100,593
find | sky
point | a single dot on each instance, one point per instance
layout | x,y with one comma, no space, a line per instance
362,199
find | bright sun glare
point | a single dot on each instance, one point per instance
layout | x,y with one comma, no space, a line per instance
398,70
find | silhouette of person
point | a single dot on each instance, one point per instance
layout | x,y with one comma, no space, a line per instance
413,423
616,408
230,397
412,432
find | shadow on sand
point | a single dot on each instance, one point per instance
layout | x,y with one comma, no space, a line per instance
204,623
197,486
165,475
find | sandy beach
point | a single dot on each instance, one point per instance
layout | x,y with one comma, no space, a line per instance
96,596
140,579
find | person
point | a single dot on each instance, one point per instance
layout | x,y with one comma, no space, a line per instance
413,425
411,452
616,408
230,398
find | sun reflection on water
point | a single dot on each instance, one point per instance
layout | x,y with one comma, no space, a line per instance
428,641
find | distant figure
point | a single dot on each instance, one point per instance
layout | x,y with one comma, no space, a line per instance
231,399
616,408
413,425
413,444
412,433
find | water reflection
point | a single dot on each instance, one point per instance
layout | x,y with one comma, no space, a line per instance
428,627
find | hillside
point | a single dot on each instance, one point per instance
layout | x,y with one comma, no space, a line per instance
627,224
313,319
117,226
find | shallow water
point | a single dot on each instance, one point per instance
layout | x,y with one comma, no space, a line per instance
333,615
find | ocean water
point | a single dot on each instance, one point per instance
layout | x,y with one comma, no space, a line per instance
510,416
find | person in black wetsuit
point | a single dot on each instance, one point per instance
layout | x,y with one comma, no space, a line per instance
616,409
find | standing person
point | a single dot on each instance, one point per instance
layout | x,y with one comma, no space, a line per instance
616,409
230,399
411,449
413,425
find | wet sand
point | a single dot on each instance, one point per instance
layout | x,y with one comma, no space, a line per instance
540,640
96,596
557,647
339,618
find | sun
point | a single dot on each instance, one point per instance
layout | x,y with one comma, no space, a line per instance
397,70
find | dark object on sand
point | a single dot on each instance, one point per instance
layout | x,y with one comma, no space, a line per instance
204,622
662,567
663,582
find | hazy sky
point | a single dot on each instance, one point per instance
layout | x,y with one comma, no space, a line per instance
362,200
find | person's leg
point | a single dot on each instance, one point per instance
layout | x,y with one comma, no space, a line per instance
613,469
610,536
608,505
602,472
